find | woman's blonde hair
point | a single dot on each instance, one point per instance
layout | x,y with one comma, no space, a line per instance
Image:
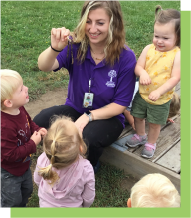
116,35
154,190
165,16
62,145
174,105
10,82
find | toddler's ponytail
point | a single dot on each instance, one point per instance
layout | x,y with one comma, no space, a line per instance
47,172
63,146
158,7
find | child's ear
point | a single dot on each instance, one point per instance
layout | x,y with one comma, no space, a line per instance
81,149
129,202
8,103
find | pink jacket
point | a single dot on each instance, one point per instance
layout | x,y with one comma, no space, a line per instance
76,187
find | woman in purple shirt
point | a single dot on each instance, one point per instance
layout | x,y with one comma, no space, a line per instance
101,70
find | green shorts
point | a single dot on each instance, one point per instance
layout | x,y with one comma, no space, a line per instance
157,114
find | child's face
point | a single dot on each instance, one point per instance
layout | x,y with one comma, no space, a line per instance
20,97
164,36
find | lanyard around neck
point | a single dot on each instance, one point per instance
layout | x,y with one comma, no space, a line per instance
89,84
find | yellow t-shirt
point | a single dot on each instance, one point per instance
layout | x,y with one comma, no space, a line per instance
159,67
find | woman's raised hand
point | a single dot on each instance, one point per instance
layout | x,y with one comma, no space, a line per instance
59,38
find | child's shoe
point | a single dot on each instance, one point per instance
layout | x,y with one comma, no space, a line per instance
133,140
149,150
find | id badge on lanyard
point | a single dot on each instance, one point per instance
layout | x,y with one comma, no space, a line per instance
88,98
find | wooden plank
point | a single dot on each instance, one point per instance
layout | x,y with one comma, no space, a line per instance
171,160
178,92
136,166
177,87
125,131
146,130
165,151
166,138
128,130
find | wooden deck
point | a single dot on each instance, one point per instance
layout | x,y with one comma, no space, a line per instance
166,159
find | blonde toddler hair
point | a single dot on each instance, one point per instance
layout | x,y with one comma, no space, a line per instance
174,105
10,81
154,190
62,145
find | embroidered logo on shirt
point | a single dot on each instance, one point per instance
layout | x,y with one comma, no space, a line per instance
111,74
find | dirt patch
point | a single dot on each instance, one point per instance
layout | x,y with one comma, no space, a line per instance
58,97
128,182
51,98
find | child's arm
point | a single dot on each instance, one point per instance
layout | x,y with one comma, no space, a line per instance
11,151
129,118
171,83
140,68
88,194
37,177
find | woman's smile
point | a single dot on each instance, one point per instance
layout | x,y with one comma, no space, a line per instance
97,26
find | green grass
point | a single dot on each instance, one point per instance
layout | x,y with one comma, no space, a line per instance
26,26
108,187
25,33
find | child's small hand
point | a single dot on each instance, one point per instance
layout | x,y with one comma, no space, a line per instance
36,137
170,120
154,95
144,78
42,131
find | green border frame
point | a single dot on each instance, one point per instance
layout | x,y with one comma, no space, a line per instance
184,210
185,110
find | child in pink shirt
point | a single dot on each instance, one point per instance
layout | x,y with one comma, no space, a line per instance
64,177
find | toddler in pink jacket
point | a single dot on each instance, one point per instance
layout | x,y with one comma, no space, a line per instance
64,177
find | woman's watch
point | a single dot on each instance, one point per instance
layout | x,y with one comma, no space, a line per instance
89,115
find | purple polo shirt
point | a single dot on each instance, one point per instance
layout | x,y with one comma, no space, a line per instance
108,84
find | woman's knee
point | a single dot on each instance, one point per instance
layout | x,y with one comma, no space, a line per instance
97,138
43,118
40,118
90,138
